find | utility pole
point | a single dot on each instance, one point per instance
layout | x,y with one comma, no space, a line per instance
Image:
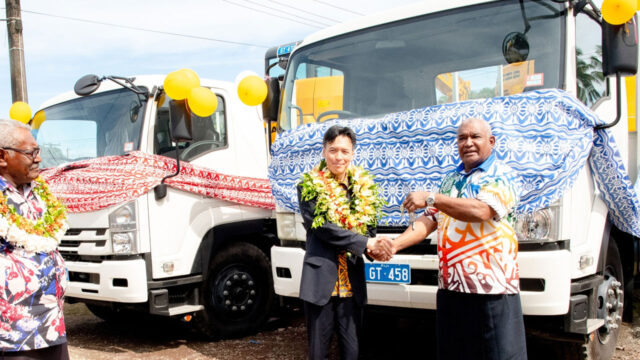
16,51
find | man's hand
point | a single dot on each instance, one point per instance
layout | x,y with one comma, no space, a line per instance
380,249
416,200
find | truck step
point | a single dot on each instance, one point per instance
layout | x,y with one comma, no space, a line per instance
184,309
594,324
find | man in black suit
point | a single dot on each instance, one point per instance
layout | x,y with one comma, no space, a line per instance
333,282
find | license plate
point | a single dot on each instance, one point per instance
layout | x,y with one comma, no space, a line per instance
388,273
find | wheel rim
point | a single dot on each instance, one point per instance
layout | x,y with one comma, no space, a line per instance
235,292
610,304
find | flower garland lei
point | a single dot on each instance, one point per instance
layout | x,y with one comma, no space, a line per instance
42,235
331,198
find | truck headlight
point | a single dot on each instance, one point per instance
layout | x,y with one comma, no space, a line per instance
286,226
539,226
123,228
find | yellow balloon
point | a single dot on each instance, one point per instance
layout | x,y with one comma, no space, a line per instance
202,101
20,111
38,119
252,90
617,12
179,83
172,85
192,78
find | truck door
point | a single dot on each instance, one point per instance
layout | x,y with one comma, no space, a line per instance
178,222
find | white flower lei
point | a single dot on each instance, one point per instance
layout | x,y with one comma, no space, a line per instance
30,242
331,200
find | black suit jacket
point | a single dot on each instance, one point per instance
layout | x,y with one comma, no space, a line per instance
320,269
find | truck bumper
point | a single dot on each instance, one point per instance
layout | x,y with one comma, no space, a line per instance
545,273
552,270
122,281
286,269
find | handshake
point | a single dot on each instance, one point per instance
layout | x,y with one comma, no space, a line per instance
381,249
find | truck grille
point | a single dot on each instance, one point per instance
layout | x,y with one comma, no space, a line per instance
83,243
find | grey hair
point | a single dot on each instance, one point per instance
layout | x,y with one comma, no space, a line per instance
483,123
8,132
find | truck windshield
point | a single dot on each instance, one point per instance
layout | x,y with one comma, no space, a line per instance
101,124
481,51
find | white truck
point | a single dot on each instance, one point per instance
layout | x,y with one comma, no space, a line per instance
169,252
575,265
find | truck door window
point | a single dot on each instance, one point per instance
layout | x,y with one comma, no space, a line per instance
590,81
209,133
317,90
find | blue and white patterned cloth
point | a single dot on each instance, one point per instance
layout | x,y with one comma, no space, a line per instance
547,136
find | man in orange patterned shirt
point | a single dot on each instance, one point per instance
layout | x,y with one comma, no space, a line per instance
479,315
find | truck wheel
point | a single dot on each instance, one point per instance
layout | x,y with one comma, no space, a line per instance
601,344
237,294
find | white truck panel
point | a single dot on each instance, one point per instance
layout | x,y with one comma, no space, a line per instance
181,220
595,224
134,271
554,268
291,258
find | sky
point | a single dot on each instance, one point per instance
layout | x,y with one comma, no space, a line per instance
64,40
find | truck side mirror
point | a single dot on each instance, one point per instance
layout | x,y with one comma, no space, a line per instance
620,48
181,130
619,57
270,108
86,85
180,119
271,103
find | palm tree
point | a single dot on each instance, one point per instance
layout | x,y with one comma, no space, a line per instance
589,76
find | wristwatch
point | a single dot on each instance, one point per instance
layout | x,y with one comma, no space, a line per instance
431,199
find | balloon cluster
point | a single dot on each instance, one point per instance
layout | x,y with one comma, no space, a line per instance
252,90
185,84
618,12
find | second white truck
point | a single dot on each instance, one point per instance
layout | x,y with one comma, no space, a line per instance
179,253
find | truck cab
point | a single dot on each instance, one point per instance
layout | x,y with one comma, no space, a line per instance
575,264
180,254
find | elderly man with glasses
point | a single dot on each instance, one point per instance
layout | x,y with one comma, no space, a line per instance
32,273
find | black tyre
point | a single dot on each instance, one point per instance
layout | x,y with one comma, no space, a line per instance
237,293
609,303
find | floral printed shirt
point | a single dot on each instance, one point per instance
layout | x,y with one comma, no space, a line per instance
31,285
480,257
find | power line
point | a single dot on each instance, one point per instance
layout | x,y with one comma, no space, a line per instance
302,10
286,12
146,30
279,15
338,7
268,13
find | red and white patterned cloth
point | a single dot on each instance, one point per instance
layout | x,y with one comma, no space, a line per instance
94,184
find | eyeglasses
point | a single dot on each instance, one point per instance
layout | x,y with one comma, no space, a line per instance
33,153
